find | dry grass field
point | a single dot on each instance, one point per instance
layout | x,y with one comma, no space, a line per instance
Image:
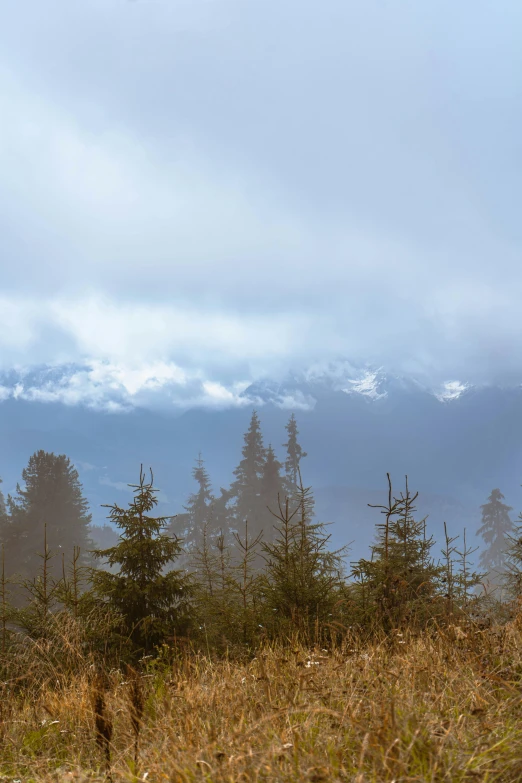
439,707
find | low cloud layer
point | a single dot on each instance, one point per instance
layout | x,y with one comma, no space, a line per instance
226,191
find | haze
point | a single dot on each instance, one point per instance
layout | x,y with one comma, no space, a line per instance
198,194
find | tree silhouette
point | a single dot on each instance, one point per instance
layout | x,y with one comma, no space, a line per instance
247,488
3,508
198,509
220,516
495,529
53,497
294,455
272,491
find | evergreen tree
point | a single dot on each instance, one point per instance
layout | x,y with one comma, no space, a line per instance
215,535
272,491
179,527
303,579
448,577
495,529
4,520
401,579
42,593
226,591
151,602
221,515
6,611
244,582
294,455
198,509
246,489
513,561
53,497
466,580
3,509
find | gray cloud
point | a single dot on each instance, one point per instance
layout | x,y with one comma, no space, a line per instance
228,189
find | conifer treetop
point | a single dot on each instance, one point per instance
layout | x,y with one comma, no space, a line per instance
495,531
151,601
294,453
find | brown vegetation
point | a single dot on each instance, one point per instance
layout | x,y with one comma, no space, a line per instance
438,706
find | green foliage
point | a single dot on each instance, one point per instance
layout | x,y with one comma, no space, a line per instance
227,591
212,596
95,623
256,572
466,579
6,611
53,497
399,583
152,603
58,624
513,561
198,508
41,594
302,581
448,573
244,582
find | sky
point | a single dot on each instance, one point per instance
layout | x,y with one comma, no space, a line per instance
195,194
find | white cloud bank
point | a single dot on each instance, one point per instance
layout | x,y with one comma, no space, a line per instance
117,388
229,190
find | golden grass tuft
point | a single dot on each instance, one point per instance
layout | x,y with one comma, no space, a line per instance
435,707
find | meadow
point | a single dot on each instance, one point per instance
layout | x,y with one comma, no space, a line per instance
442,705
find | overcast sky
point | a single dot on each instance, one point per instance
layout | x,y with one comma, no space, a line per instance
202,192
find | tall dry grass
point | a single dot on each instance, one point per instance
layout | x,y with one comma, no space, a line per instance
444,706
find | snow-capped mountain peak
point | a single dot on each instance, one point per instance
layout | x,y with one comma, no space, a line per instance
452,390
120,388
368,384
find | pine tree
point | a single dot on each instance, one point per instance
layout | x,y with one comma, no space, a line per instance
246,489
272,490
6,611
513,561
401,579
447,576
466,579
53,497
42,596
244,582
213,597
198,509
4,521
495,530
218,525
220,515
226,594
151,602
3,509
294,455
303,578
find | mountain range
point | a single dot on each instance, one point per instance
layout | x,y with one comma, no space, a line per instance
455,443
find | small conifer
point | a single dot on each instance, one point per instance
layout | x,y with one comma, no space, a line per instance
152,603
